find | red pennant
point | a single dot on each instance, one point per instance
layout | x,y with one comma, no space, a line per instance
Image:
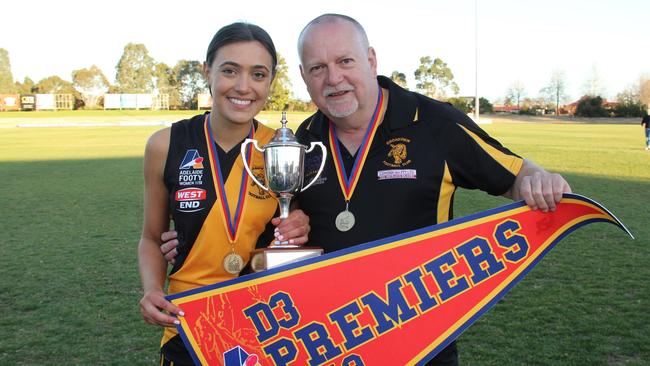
419,290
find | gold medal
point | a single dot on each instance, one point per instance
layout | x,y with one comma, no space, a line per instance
233,263
344,220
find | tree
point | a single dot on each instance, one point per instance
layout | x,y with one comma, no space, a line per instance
593,85
435,78
555,91
484,106
189,81
26,87
589,106
463,104
165,83
298,105
629,95
91,83
466,104
644,90
281,88
56,85
6,78
515,94
399,79
629,103
135,70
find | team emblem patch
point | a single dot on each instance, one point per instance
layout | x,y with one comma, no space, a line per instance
192,160
191,169
397,156
258,193
397,174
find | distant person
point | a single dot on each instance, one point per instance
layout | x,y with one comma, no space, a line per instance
193,173
645,122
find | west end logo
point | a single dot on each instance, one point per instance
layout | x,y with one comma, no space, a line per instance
398,153
190,199
191,169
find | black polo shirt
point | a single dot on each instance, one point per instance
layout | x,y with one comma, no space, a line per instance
422,151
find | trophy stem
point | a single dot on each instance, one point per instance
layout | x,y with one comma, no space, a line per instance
284,205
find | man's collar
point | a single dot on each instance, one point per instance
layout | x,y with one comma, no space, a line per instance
402,108
402,105
316,122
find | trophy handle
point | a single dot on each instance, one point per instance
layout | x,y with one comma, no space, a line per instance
243,155
322,163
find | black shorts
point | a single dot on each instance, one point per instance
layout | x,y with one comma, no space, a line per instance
447,357
174,353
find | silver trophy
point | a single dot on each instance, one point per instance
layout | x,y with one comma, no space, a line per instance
284,160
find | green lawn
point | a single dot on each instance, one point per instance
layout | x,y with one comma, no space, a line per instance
71,218
13,119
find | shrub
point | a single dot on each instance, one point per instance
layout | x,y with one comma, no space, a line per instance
589,106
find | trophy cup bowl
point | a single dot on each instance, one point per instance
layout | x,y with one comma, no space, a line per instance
284,173
284,160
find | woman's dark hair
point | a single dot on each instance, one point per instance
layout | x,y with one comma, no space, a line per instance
241,32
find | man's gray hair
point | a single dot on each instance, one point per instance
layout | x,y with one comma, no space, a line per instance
333,18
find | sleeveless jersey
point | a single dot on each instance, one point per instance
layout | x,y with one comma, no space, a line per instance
198,218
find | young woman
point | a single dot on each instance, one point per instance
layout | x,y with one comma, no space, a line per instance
193,173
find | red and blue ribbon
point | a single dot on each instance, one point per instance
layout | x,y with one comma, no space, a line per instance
231,222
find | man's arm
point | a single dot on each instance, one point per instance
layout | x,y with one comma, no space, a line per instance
539,188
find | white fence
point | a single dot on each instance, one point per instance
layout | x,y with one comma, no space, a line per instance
136,101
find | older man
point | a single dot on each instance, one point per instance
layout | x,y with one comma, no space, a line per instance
397,157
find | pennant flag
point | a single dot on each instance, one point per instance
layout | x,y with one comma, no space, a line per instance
419,290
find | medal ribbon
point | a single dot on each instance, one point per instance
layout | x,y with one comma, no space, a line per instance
231,223
349,183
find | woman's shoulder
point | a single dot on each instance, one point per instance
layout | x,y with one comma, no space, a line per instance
264,132
159,141
191,122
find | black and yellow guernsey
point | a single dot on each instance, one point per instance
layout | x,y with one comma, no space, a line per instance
205,235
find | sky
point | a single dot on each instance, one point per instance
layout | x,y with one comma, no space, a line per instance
524,41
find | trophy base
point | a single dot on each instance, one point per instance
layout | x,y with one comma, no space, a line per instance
267,258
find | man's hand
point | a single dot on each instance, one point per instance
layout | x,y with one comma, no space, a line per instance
292,230
540,189
169,246
153,306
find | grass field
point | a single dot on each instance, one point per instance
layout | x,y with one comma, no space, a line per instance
112,117
71,218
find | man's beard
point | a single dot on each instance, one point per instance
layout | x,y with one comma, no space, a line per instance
342,113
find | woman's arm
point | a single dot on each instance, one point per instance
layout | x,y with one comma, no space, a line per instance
153,267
